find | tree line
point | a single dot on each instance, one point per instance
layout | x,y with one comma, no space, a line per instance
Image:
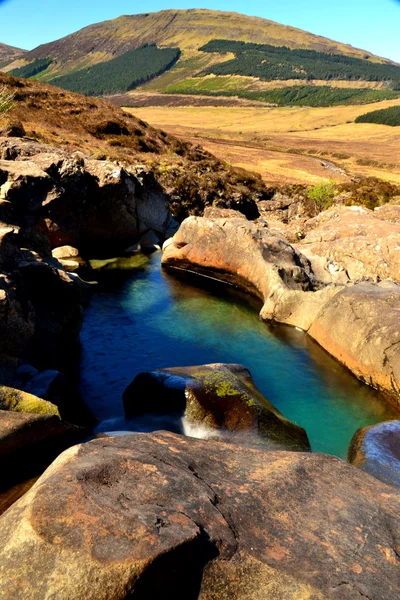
33,68
386,116
120,74
280,62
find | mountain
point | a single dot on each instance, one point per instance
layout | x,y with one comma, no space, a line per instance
9,53
205,52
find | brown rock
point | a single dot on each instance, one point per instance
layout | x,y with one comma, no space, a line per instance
376,450
30,442
216,401
359,240
213,212
388,212
163,516
359,326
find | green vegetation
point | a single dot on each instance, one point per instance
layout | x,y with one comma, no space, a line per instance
322,195
307,95
279,62
120,74
33,68
6,100
387,116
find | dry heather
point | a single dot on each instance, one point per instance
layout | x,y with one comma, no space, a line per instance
289,144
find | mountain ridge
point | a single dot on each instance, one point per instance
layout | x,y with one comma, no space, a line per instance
8,53
187,29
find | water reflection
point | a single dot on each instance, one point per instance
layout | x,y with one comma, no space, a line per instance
150,319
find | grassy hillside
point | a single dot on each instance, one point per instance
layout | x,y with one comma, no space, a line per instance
208,42
387,116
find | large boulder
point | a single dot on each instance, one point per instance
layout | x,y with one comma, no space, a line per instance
376,450
215,401
254,258
364,243
359,326
163,516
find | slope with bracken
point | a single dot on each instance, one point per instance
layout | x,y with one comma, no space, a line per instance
192,177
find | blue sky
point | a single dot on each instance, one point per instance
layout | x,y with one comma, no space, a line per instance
369,24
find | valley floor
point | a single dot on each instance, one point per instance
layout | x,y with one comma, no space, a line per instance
288,145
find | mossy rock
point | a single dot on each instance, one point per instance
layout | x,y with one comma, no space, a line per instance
18,401
216,400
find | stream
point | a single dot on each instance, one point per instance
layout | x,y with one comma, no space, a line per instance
144,318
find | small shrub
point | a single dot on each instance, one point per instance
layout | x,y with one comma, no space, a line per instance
322,195
6,100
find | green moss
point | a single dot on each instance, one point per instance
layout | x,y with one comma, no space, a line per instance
18,401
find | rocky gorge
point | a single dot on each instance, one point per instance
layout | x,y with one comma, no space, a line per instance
248,512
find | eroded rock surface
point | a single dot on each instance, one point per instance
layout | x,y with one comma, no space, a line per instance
376,450
359,326
163,516
216,401
364,243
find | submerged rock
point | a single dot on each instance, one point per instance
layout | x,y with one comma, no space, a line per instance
216,400
376,450
160,516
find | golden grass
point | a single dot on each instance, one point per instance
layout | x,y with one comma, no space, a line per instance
279,143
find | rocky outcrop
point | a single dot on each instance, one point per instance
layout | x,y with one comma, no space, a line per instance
74,200
164,516
364,243
254,258
216,401
376,450
30,442
359,326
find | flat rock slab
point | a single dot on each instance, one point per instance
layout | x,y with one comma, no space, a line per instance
161,516
376,450
217,401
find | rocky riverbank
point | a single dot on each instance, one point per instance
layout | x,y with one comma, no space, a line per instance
164,515
353,314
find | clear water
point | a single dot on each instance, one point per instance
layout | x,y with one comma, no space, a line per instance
148,319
